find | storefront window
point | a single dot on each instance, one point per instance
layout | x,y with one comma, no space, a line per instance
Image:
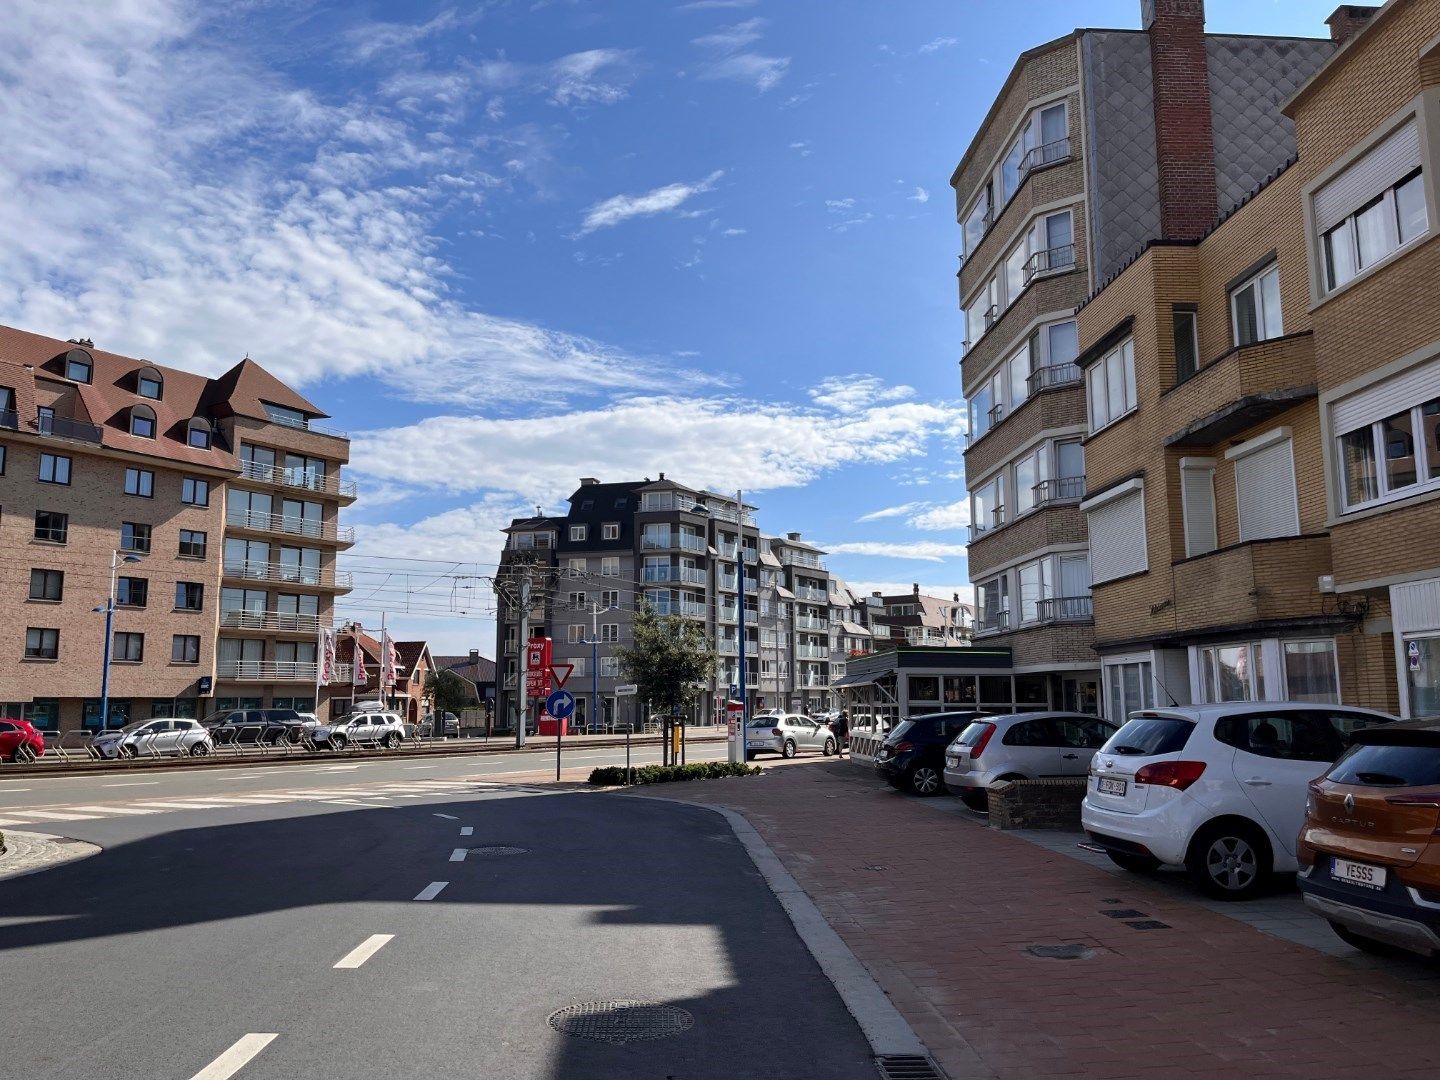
1310,671
1128,688
960,690
118,716
995,689
924,688
44,713
1422,666
1032,690
1233,673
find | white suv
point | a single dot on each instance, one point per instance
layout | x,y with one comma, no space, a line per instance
362,729
1219,789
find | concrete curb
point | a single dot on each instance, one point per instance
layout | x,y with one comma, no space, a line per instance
33,852
884,1028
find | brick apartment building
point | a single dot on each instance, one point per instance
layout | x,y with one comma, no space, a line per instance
224,491
1094,146
915,618
1263,455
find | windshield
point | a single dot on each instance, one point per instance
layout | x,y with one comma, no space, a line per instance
765,721
1150,735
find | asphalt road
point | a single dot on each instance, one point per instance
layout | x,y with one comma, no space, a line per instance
196,934
328,770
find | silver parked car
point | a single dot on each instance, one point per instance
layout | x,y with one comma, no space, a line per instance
146,738
362,729
1025,746
786,735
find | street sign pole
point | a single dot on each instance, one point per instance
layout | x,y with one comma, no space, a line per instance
561,705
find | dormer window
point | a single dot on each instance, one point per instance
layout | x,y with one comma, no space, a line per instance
79,366
150,384
198,433
142,421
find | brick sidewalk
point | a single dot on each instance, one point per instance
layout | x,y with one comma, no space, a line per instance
941,912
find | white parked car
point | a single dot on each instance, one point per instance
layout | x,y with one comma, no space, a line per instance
1025,746
1218,789
362,729
786,735
161,735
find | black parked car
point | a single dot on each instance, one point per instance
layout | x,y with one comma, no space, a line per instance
913,753
266,726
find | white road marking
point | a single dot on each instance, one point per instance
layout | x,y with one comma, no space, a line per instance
236,1058
468,830
413,767
339,768
136,783
366,949
48,815
244,776
8,790
458,855
432,890
111,810
448,817
184,805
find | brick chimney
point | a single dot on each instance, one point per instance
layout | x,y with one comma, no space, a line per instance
1348,20
1184,133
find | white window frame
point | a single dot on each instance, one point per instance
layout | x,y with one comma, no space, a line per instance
610,530
1259,678
579,532
1285,670
1098,377
1145,663
1045,573
1025,499
1003,609
609,633
610,599
610,566
1129,489
576,565
575,634
1427,478
1199,522
1256,283
609,667
1250,447
997,516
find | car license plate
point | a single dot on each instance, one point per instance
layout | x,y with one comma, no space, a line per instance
1354,873
1108,785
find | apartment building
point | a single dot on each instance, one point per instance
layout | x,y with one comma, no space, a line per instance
915,618
219,499
1098,142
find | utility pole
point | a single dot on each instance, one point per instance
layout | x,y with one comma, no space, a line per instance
595,610
740,614
522,691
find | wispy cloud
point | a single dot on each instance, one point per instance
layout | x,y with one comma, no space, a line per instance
936,44
368,40
707,5
839,206
590,77
733,38
854,393
612,211
730,60
890,512
801,148
920,196
918,550
946,517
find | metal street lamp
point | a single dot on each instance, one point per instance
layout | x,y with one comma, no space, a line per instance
701,508
116,558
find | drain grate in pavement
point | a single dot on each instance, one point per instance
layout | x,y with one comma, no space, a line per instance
495,850
621,1022
1148,924
907,1067
878,869
1061,952
1124,913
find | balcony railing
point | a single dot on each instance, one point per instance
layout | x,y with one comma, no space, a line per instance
981,526
276,671
1065,609
810,622
995,415
1060,489
305,479
533,542
1056,258
291,526
814,596
727,648
771,610
802,558
691,575
1050,153
512,646
10,419
812,652
992,620
660,573
288,573
61,427
306,425
1053,375
991,314
288,621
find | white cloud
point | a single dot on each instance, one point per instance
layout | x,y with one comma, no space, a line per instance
838,206
919,550
728,61
718,442
706,5
920,196
936,44
618,208
733,38
943,517
367,40
801,148
854,393
590,77
890,512
734,232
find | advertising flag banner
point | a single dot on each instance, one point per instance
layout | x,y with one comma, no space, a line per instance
389,663
357,676
327,657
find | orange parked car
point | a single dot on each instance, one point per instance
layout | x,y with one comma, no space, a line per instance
1369,851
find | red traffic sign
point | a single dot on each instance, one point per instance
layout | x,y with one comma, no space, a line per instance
557,669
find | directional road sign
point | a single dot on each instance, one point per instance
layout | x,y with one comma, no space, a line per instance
560,704
627,690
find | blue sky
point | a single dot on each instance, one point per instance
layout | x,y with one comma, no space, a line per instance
510,243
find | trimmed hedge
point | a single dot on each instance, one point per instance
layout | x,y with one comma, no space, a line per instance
614,775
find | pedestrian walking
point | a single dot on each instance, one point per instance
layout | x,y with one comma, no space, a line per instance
841,727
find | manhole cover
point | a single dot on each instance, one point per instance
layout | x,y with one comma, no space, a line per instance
496,850
621,1022
1124,913
1060,952
1148,924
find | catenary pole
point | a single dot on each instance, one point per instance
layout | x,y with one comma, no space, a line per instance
740,614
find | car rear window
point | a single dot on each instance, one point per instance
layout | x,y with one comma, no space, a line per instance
1146,736
900,730
973,734
1388,766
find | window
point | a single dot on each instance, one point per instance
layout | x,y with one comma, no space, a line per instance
195,492
79,366
185,649
1187,343
192,544
1265,494
1035,587
1052,245
992,601
1387,445
1311,673
610,566
142,421
2,461
1292,736
54,469
977,223
576,566
140,482
281,414
1197,504
1116,520
148,384
197,434
610,530
1062,342
610,598
1111,385
1232,672
578,532
609,667
988,506
189,596
1373,208
47,584
575,633
41,644
129,648
134,537
610,632
1129,688
1029,474
131,591
51,527
1255,308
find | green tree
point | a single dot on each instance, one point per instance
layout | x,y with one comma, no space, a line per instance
670,661
448,692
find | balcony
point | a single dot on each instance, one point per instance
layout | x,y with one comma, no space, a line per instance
982,527
802,558
810,622
1038,157
311,529
512,646
1252,582
691,575
1060,489
532,542
60,427
669,606
813,596
1053,375
992,622
304,671
302,479
306,425
320,577
1064,609
1050,260
1245,387
660,573
288,622
812,652
727,648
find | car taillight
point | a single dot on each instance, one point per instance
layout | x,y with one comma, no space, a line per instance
904,747
1312,798
1177,774
983,742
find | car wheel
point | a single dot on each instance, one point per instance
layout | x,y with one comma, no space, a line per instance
788,750
829,747
1229,860
977,799
925,780
24,753
1136,864
337,742
199,749
392,741
1365,944
129,751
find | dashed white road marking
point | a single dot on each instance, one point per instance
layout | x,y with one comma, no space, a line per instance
432,890
458,855
208,805
50,815
136,783
110,810
448,817
366,949
468,830
237,1057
